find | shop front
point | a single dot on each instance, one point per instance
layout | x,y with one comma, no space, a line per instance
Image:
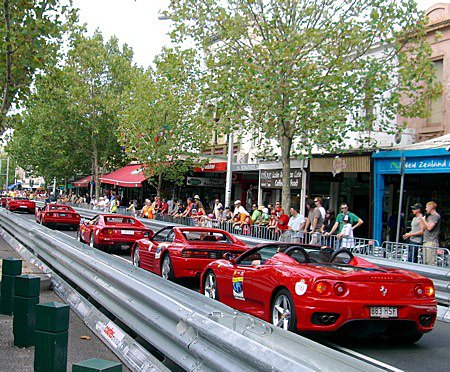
343,179
271,182
426,178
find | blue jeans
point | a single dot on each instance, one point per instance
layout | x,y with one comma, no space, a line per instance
413,250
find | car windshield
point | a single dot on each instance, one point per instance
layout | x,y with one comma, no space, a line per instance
205,236
119,220
60,208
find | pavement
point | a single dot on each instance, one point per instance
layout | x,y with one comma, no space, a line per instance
83,343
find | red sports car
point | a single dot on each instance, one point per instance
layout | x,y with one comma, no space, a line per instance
21,204
4,200
58,215
182,252
306,288
108,231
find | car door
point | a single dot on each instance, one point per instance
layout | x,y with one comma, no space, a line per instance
149,248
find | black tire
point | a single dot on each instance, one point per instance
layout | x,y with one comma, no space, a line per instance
167,268
283,311
210,288
91,241
136,256
79,238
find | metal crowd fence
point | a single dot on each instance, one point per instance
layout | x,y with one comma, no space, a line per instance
407,252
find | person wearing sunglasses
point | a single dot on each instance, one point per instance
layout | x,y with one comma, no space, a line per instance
353,219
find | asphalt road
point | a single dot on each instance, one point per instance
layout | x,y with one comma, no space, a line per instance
430,354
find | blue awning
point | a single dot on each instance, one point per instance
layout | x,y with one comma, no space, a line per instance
10,187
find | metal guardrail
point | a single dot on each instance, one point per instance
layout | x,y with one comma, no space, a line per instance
192,330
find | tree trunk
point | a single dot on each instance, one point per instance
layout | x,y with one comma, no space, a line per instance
95,166
159,187
286,144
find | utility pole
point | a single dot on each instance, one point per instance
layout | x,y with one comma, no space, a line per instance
229,171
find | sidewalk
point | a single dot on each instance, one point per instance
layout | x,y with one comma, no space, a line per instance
83,343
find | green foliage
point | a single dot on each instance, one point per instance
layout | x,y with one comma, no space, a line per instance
30,35
70,121
303,73
162,125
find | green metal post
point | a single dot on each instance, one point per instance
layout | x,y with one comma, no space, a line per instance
26,297
97,365
51,337
11,267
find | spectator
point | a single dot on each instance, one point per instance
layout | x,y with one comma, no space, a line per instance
272,226
354,220
296,225
346,234
314,223
319,204
283,220
415,236
226,215
175,207
190,206
256,213
217,205
198,203
132,208
164,207
147,211
170,205
114,205
432,226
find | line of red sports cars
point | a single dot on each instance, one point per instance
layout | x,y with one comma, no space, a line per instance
298,287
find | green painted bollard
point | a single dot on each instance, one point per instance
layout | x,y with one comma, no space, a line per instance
97,365
11,267
51,337
26,297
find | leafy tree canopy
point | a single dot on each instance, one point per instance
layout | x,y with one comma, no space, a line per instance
301,72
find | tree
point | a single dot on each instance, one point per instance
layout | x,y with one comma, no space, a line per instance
30,35
70,122
161,125
301,72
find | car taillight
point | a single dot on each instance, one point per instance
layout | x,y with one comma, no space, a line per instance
424,291
195,254
322,287
107,231
50,214
340,289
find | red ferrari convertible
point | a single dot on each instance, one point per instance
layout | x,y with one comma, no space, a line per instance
183,252
58,215
109,231
306,288
21,204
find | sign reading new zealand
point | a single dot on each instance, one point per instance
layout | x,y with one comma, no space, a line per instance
273,179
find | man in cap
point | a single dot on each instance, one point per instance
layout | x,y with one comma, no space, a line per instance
415,236
432,227
239,209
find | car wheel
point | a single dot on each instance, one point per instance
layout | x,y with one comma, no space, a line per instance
283,311
79,237
210,286
136,257
91,241
167,269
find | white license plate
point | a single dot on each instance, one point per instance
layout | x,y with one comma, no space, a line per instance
383,312
23,206
127,232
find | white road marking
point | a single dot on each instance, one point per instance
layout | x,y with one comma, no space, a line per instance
360,356
122,258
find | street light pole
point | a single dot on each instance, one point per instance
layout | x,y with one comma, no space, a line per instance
400,199
229,171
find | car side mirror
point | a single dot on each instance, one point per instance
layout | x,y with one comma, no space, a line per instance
227,256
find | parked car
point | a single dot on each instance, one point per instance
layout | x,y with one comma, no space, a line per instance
300,287
4,200
21,204
183,252
56,215
112,231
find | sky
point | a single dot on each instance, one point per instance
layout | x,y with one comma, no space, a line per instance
136,23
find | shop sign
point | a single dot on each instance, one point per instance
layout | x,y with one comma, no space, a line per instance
339,165
245,167
423,165
273,179
204,181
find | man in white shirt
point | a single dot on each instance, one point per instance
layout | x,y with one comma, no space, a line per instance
239,209
296,225
217,205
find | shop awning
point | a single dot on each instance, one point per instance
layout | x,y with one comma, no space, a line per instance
82,182
129,176
345,163
212,167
